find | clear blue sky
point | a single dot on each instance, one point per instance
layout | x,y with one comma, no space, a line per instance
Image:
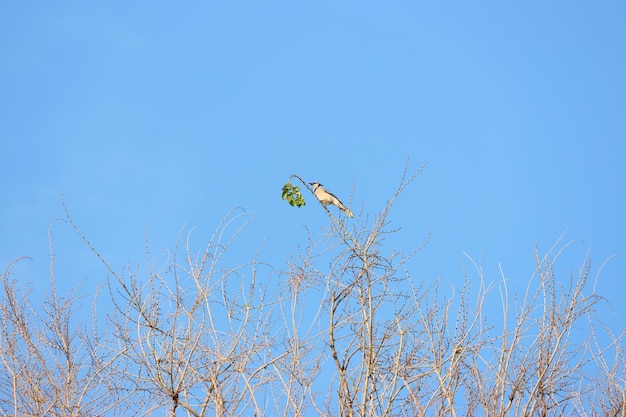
156,115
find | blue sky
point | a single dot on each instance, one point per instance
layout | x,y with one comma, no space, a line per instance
154,115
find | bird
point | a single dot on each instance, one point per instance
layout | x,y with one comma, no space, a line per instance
327,198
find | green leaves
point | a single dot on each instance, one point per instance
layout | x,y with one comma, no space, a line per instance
292,194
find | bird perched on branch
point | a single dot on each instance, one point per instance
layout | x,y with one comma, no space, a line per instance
327,198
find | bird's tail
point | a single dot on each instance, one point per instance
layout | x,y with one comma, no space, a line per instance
346,210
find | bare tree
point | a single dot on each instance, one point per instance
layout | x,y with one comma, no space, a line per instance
51,362
301,341
344,330
533,365
401,349
195,334
371,316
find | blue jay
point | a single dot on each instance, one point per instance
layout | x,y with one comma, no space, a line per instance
327,198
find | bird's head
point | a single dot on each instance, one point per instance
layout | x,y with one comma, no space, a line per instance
315,184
